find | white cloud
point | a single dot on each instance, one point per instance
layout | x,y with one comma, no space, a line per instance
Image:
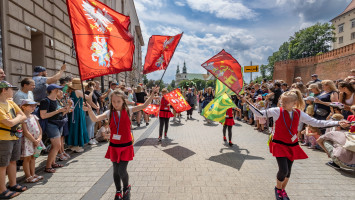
226,9
179,3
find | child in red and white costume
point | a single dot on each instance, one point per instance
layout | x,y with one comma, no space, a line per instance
284,145
164,115
120,150
228,123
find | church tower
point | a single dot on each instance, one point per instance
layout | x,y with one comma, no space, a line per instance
178,70
184,70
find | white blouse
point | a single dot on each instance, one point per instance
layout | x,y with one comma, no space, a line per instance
304,118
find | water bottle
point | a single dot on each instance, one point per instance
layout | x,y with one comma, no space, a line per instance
37,152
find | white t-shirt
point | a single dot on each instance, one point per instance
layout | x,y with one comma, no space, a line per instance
19,95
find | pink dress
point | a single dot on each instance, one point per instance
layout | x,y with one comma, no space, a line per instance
28,149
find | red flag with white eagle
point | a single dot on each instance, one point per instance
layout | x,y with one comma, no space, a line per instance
101,37
176,100
226,69
160,51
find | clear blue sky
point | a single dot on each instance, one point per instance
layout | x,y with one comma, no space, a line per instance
250,30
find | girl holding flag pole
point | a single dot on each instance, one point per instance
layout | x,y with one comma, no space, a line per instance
120,150
284,142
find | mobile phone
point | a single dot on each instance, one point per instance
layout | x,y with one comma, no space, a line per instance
64,62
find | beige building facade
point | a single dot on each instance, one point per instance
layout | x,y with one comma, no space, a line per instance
37,32
345,27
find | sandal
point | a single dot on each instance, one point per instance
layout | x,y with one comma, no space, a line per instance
56,165
62,157
49,170
39,177
8,194
32,179
17,188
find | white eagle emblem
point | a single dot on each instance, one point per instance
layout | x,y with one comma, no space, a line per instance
101,52
101,17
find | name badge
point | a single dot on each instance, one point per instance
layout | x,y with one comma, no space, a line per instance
116,137
294,137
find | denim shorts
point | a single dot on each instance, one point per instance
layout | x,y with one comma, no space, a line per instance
53,131
10,150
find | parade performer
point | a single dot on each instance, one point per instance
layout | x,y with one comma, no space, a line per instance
120,150
228,123
284,144
164,115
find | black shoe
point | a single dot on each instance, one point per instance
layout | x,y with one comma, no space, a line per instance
159,139
230,143
138,125
284,195
278,194
118,196
165,135
146,124
127,193
333,165
224,139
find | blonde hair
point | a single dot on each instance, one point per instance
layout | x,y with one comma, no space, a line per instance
139,89
338,117
297,96
330,84
164,90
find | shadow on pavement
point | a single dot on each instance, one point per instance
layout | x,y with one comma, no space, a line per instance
213,124
154,142
176,124
179,153
233,159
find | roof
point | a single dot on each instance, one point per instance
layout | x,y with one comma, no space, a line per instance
350,7
199,76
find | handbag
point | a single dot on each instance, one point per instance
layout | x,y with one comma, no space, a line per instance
322,112
350,142
60,122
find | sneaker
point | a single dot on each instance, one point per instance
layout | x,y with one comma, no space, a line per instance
95,141
118,196
333,165
278,194
159,139
91,142
224,138
127,193
284,195
230,143
147,124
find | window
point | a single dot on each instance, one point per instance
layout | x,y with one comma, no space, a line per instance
341,39
341,28
352,23
353,35
37,46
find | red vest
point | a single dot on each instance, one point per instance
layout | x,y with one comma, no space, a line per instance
164,110
229,117
124,127
281,131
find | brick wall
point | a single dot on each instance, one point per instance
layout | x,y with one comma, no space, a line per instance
333,65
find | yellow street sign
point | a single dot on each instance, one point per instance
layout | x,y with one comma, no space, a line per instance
254,68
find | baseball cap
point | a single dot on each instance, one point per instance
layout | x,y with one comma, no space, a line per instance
38,69
314,75
52,87
27,102
309,98
299,78
5,84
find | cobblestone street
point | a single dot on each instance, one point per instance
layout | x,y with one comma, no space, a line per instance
194,163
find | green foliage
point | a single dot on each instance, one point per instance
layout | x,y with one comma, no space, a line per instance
145,79
172,84
211,83
307,42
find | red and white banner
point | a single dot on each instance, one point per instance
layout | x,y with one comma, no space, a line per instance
101,37
160,51
176,100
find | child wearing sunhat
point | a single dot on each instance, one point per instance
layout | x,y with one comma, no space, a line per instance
32,139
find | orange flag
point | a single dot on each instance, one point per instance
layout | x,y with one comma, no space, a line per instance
176,100
101,37
160,51
226,69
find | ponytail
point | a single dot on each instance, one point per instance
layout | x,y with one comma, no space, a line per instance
297,95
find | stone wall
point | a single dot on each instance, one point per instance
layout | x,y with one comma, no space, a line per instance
48,32
332,65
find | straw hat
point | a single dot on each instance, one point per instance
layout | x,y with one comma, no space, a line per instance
76,84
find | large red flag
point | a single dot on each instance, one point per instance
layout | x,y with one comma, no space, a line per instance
176,100
226,69
160,51
101,37
151,109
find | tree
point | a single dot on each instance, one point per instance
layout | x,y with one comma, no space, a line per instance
311,41
159,84
211,83
263,69
145,79
172,84
150,84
